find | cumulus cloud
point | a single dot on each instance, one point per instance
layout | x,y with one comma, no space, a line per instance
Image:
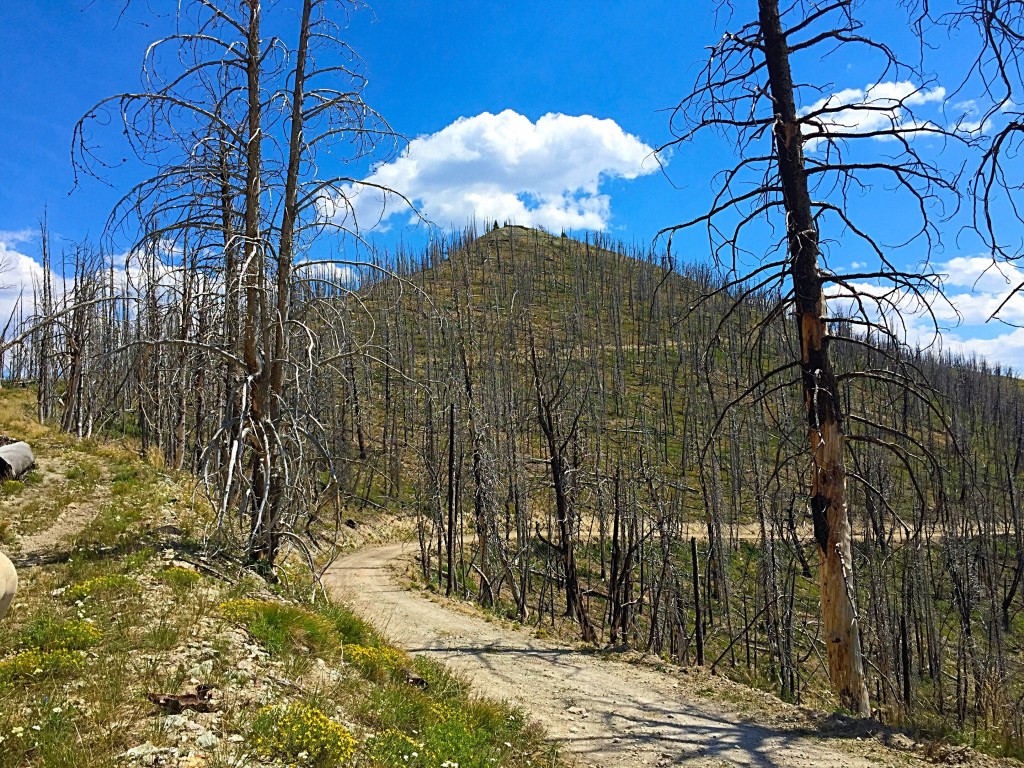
503,167
21,275
333,273
1006,349
977,288
878,107
970,119
973,289
18,272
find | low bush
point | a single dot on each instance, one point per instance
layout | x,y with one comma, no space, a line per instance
446,737
50,633
112,584
301,735
375,662
35,663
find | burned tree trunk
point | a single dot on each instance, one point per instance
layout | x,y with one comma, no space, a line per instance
821,392
557,441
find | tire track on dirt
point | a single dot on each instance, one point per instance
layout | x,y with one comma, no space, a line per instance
65,522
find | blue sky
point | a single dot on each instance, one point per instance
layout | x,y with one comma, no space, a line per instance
429,64
560,102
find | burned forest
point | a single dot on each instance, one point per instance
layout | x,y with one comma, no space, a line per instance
554,413
728,446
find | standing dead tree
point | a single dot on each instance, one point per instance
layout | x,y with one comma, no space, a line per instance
559,418
796,167
235,114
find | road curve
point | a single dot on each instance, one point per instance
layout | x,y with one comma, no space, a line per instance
605,713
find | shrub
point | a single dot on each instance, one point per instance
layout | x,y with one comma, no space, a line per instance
111,584
301,735
377,662
442,726
35,663
445,738
50,633
453,741
392,747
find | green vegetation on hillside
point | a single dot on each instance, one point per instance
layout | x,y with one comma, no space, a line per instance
125,612
661,439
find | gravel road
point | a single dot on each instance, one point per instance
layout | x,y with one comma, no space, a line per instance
604,712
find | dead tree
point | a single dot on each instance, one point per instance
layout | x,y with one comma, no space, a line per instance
559,420
796,166
995,84
232,119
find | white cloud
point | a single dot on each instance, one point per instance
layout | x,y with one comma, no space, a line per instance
974,288
17,274
971,126
21,275
504,167
16,236
969,120
879,107
1006,349
340,275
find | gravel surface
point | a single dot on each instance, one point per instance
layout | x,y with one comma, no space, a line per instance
604,712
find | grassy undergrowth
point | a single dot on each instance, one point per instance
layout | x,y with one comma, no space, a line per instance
130,614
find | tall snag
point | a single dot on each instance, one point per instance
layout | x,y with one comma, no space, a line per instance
233,122
796,184
821,391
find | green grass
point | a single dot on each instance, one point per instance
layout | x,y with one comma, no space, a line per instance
181,580
11,488
284,629
88,638
444,725
350,628
34,665
84,473
50,632
111,585
301,735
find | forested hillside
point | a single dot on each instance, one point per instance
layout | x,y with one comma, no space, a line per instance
593,444
577,430
723,448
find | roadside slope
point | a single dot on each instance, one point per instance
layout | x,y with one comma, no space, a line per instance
604,712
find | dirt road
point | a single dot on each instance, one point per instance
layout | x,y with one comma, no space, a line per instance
606,713
54,522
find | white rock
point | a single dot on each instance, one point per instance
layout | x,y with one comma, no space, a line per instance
207,740
140,751
202,669
172,722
